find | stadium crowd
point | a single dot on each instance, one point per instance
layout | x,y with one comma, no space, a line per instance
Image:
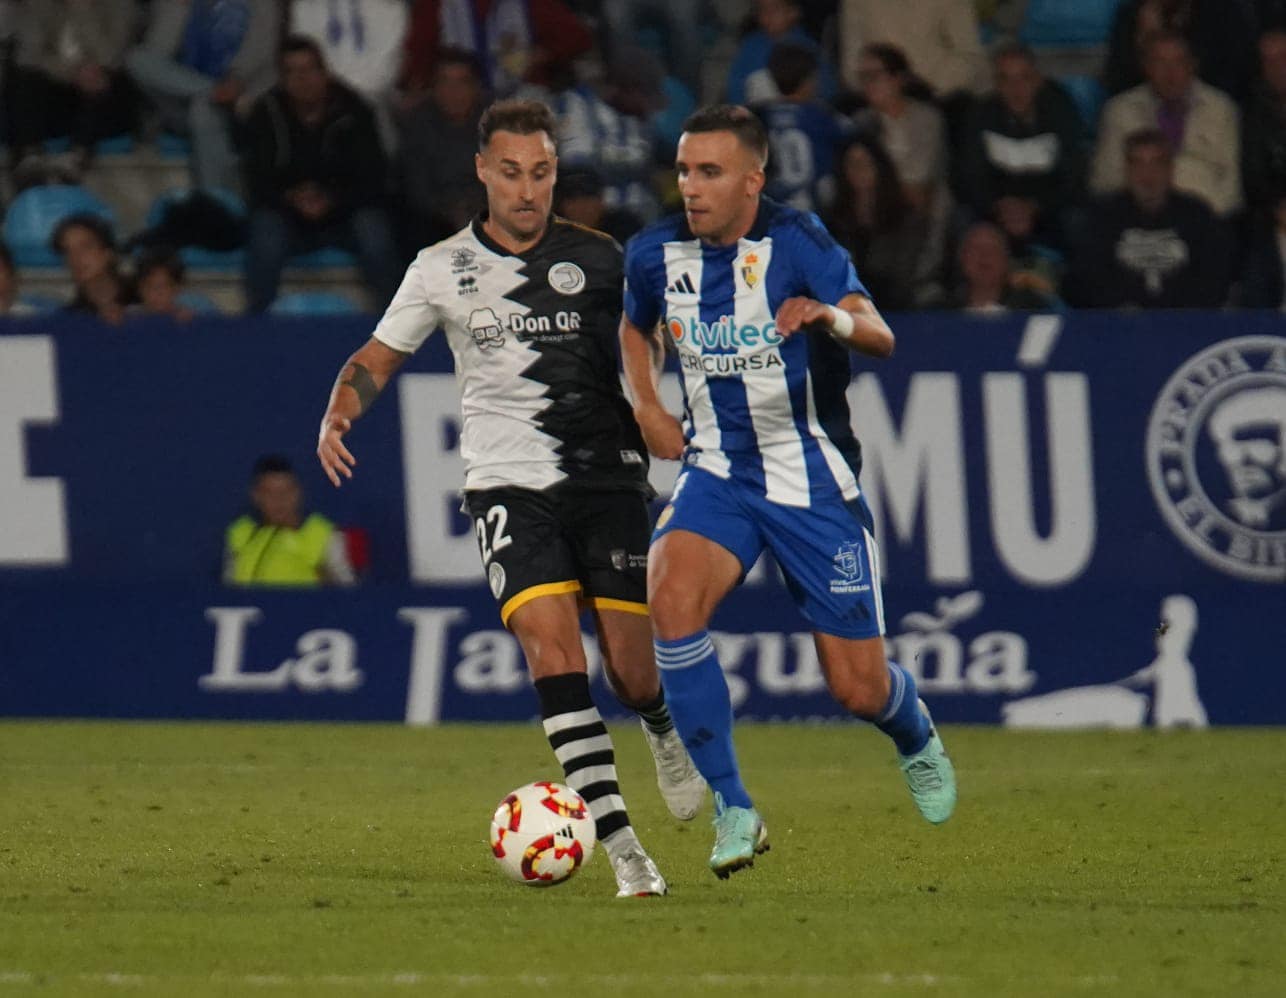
985,155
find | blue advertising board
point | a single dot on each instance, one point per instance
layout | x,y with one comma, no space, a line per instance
1082,521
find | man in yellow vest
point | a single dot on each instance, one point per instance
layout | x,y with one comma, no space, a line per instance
278,545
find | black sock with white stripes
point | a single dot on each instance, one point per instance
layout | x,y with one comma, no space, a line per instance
656,715
579,738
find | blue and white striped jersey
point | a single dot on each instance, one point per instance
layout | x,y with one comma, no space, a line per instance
766,411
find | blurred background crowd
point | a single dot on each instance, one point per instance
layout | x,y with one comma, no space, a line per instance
174,157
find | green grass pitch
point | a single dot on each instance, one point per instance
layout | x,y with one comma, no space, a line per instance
200,859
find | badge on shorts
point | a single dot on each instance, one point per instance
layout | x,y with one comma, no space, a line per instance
566,278
496,579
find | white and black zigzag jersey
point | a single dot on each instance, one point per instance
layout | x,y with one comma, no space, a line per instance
534,340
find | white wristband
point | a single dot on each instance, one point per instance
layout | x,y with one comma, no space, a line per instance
841,324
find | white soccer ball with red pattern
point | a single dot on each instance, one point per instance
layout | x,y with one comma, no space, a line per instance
542,833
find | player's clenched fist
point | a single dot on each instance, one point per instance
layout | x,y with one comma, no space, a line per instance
335,458
662,433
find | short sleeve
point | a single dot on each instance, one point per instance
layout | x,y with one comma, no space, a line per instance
642,305
410,316
823,264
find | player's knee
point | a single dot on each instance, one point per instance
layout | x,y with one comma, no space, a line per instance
675,611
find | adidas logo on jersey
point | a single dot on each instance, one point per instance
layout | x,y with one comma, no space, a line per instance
683,286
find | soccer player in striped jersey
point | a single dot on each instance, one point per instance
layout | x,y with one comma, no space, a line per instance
555,469
762,307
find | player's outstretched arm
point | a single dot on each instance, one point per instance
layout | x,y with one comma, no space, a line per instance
360,381
642,356
855,322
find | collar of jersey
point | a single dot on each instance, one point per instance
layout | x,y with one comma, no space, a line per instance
480,234
764,217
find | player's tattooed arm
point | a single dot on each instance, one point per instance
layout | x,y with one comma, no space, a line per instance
363,376
358,377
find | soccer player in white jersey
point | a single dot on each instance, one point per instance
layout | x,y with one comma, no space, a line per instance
555,468
763,308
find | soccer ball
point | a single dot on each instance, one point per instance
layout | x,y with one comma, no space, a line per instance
542,833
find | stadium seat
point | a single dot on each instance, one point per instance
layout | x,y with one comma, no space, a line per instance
40,303
1059,24
171,146
324,259
35,214
115,145
314,303
199,303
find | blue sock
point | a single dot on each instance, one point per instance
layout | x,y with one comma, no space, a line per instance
699,703
902,719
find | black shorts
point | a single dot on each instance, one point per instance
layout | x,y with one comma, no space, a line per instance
536,543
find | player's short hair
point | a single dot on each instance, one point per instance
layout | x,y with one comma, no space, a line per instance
791,66
740,121
522,117
96,225
1144,137
271,464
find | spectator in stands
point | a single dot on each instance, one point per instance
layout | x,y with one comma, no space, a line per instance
88,248
804,134
914,133
435,159
362,43
1263,282
158,281
11,306
579,198
886,237
988,284
517,41
940,39
1220,33
68,72
1150,246
200,62
1263,150
608,129
277,544
1200,122
777,23
315,175
681,42
1023,161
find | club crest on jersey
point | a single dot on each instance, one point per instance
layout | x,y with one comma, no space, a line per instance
462,259
566,278
749,267
485,328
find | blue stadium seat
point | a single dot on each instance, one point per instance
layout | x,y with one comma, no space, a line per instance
323,259
171,146
114,145
40,303
314,303
1088,95
199,303
35,214
1059,24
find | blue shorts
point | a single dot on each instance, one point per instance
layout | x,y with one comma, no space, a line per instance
826,551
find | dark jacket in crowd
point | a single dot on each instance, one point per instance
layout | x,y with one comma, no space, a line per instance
1042,159
342,154
1263,283
1177,258
1263,150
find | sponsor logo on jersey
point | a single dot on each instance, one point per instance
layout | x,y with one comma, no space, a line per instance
468,286
631,457
683,286
527,327
566,278
622,560
462,259
485,328
728,363
724,334
1216,455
